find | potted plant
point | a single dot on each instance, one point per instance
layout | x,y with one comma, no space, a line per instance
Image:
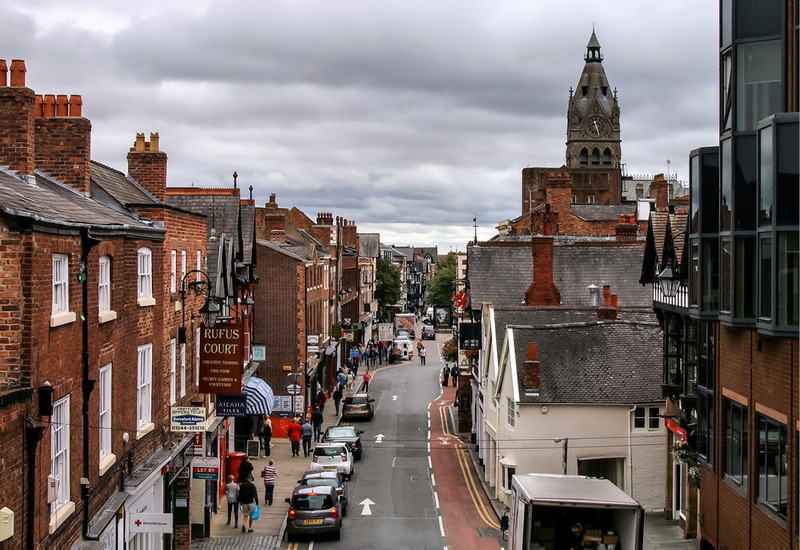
682,453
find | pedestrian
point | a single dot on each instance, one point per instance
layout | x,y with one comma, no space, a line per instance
350,379
386,353
445,375
266,435
316,423
341,380
307,432
232,496
245,469
366,381
422,354
295,434
373,355
321,399
454,375
355,367
248,499
270,474
337,398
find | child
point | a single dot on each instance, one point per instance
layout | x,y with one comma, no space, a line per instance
232,495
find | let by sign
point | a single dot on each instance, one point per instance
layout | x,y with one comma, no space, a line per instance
221,350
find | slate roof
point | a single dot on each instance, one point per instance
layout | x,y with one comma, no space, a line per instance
221,211
502,274
278,248
602,212
51,203
248,223
613,362
119,186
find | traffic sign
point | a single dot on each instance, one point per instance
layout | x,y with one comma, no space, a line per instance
293,389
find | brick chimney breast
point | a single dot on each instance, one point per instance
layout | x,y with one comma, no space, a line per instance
659,190
17,106
532,371
543,291
148,166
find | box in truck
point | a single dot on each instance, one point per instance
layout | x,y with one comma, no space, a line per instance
544,509
405,321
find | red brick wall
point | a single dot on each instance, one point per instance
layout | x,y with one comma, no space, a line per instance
16,129
149,168
62,150
543,291
11,307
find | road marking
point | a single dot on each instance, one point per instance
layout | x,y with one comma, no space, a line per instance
433,480
444,440
394,398
379,438
310,545
441,526
430,464
366,503
436,499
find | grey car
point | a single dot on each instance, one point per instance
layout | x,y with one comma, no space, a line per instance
314,511
328,479
345,434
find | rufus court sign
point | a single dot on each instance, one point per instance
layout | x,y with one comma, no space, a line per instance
221,352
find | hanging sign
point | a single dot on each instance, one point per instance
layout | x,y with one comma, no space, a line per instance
221,350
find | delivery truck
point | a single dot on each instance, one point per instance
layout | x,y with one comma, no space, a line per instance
405,321
554,512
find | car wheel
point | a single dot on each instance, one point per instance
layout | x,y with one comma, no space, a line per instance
344,511
337,535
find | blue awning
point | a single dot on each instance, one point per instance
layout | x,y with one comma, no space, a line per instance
260,399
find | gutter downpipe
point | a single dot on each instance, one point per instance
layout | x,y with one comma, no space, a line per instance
87,385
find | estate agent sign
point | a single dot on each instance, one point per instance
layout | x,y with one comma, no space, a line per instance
221,350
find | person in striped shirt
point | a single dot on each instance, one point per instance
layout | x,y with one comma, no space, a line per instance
269,473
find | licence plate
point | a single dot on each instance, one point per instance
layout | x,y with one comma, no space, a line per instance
309,521
330,467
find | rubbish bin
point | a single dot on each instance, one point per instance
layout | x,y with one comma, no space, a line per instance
234,459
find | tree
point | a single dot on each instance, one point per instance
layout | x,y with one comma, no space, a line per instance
388,288
441,287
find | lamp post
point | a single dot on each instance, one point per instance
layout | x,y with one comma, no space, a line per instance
670,278
210,310
564,453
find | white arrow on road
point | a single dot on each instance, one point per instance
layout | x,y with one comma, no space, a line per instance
444,440
394,398
366,503
378,439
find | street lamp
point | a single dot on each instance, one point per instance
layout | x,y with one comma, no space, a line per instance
210,310
670,279
564,455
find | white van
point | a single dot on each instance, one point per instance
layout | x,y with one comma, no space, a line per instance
407,347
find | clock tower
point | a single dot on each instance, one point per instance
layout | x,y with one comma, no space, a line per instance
593,117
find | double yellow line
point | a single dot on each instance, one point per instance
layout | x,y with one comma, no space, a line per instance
461,453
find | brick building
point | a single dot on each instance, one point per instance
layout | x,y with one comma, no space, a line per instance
731,320
89,315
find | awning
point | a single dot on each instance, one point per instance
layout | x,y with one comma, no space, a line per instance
260,398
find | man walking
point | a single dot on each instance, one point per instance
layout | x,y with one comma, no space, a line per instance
248,498
270,474
422,353
316,422
307,432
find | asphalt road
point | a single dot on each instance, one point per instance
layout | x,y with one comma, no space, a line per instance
393,479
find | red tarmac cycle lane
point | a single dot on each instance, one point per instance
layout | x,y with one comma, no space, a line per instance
465,510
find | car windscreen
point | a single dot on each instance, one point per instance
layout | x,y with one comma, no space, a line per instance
356,401
312,502
340,432
328,451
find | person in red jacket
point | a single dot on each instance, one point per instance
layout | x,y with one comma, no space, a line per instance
295,435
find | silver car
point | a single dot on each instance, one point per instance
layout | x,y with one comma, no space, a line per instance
313,511
328,479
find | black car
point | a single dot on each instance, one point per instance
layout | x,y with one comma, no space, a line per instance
314,511
327,479
345,434
428,333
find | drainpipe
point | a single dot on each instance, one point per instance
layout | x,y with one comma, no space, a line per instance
629,473
33,434
87,385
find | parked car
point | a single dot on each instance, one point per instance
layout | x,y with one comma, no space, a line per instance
403,335
428,333
334,457
328,479
314,511
345,434
358,405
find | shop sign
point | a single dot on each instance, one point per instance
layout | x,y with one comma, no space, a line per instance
150,523
469,336
354,353
221,358
349,336
206,468
232,405
385,332
259,352
675,428
187,419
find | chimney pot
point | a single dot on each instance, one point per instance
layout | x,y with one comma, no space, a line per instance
62,105
272,197
18,72
153,141
3,73
38,109
531,351
49,105
75,106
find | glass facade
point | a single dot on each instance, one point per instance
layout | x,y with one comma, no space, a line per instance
772,465
759,84
735,418
745,274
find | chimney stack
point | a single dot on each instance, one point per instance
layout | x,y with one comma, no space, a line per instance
659,190
17,105
626,229
543,291
148,166
532,371
558,192
608,311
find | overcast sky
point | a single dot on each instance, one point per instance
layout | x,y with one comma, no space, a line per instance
408,117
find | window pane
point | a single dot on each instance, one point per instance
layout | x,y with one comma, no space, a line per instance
694,182
786,298
725,17
745,278
758,82
709,188
757,18
726,275
725,182
710,275
765,290
765,183
787,190
744,185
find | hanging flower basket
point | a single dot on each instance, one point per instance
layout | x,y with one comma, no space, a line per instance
682,453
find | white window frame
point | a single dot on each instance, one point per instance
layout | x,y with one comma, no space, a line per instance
199,264
60,283
172,374
104,418
104,310
60,470
173,268
145,277
183,369
183,264
197,358
512,412
647,413
144,390
590,199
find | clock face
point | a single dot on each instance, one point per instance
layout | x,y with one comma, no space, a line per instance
596,126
